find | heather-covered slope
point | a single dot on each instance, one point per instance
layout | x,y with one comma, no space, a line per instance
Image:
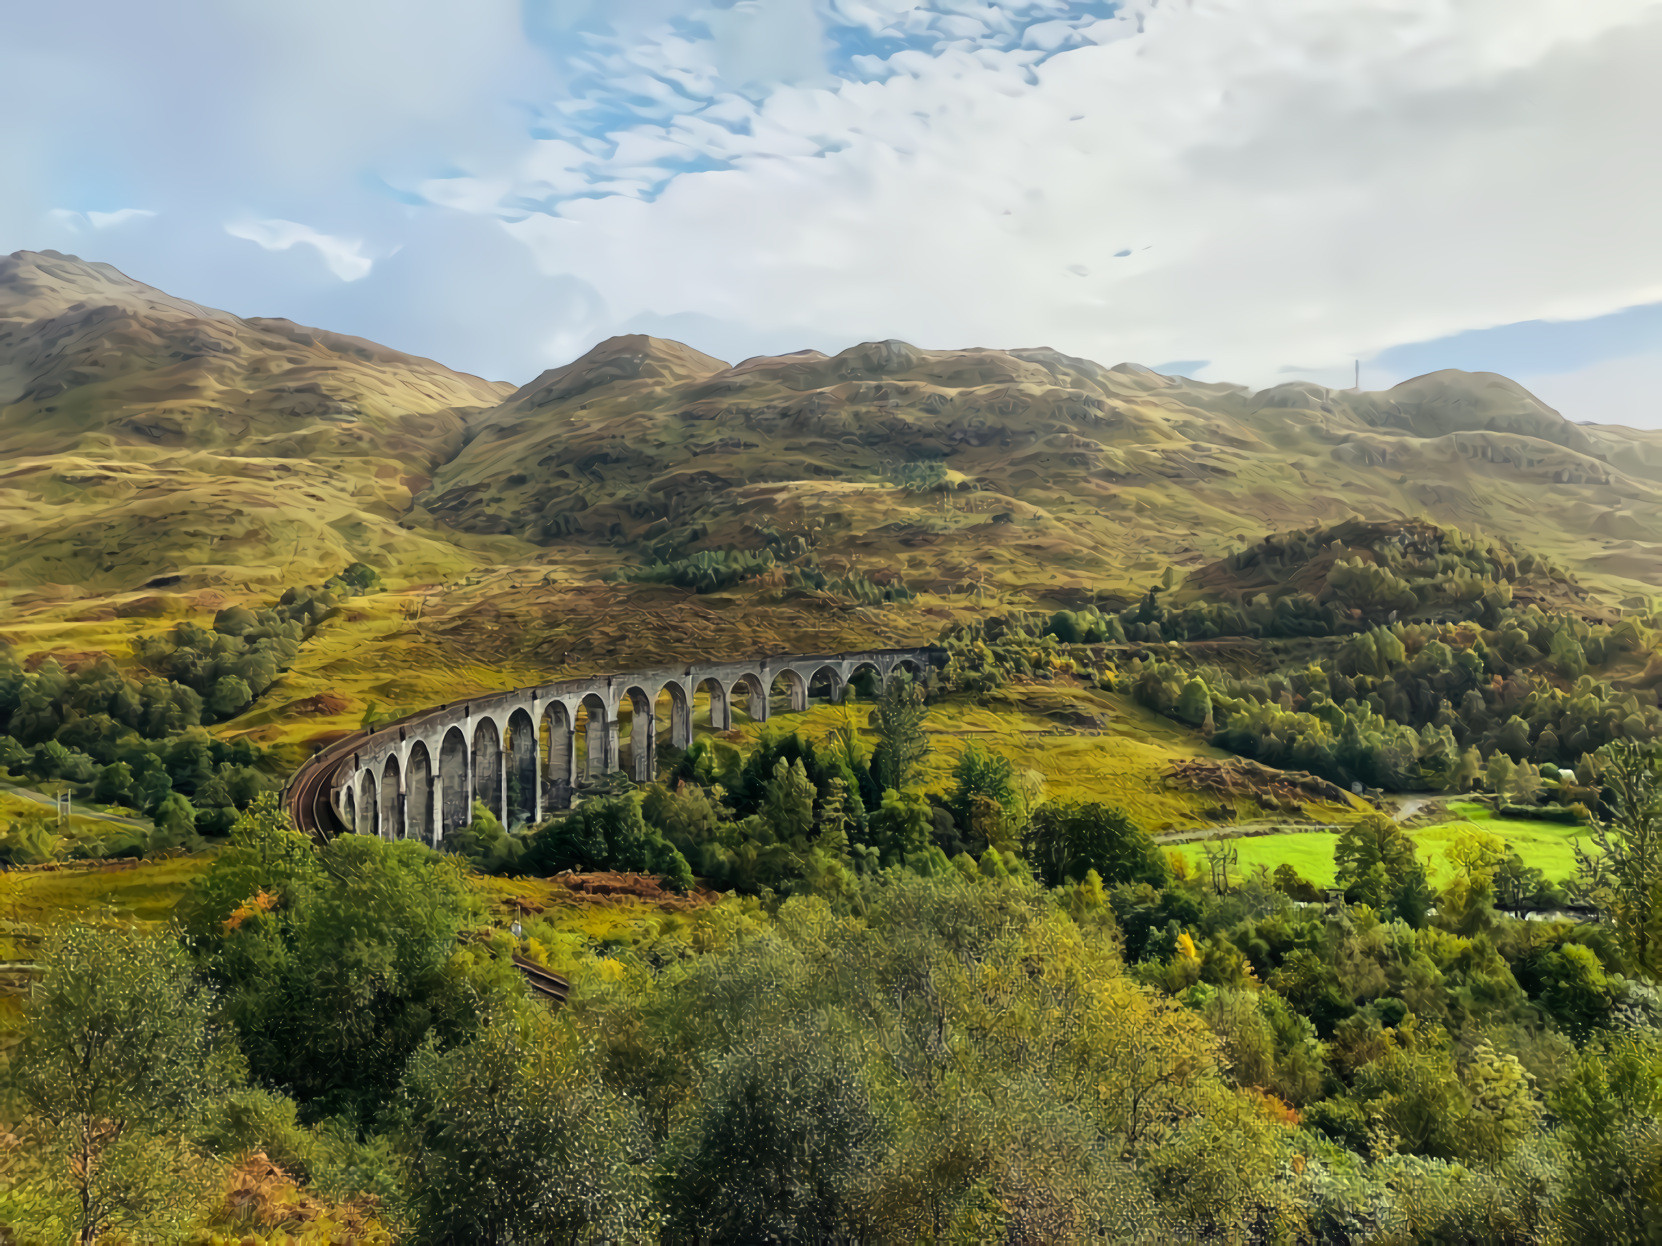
142,434
1029,468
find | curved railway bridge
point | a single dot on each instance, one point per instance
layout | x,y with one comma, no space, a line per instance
524,753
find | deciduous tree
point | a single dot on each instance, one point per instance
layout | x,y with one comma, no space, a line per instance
120,1047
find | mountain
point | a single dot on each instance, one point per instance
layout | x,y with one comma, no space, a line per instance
147,442
1062,474
143,434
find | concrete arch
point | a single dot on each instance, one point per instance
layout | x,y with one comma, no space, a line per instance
418,776
917,670
455,780
419,793
856,676
827,682
672,715
638,752
788,691
558,739
488,771
721,705
390,799
597,753
523,798
749,686
369,807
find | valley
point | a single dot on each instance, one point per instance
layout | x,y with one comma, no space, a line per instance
1187,778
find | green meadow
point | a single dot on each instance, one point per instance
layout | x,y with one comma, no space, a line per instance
1546,846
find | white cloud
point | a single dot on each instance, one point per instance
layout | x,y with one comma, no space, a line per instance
98,220
1613,391
344,257
1259,183
104,220
1296,181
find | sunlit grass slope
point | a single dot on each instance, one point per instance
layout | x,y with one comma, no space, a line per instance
1546,846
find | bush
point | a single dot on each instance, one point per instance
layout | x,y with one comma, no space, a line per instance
606,834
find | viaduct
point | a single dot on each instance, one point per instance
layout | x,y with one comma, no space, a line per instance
524,753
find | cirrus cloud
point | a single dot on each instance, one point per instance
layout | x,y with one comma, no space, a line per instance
1276,186
344,257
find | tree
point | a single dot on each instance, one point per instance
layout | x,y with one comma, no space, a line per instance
1374,861
984,783
1501,774
900,714
777,1145
114,784
1611,1108
27,841
1467,770
788,803
1194,704
1622,872
1068,839
337,963
605,834
513,1138
360,576
229,696
1477,853
175,820
899,827
484,843
120,1047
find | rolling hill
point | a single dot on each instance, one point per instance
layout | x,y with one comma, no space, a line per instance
1040,473
143,436
162,457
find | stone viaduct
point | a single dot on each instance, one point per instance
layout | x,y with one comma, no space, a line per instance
524,753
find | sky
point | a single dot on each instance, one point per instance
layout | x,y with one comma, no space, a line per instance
1251,191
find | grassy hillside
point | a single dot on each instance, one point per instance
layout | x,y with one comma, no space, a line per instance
1026,472
144,437
647,502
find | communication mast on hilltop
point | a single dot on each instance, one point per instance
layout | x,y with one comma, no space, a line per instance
1358,386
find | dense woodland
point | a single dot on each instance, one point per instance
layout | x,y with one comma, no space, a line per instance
1071,1036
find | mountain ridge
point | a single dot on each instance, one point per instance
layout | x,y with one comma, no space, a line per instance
254,449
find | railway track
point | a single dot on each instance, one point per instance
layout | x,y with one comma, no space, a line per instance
548,986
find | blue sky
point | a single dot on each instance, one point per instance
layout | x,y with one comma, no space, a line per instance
1252,190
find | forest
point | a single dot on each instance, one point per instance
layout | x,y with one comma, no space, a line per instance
1051,1032
852,1000
138,739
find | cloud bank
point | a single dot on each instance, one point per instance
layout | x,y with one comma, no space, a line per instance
1275,187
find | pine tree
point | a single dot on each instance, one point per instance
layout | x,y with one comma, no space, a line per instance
900,714
1501,774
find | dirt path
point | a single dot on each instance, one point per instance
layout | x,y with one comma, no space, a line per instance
1243,830
75,809
1417,804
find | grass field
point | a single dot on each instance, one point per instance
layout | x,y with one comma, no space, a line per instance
15,807
1547,846
1088,744
147,891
